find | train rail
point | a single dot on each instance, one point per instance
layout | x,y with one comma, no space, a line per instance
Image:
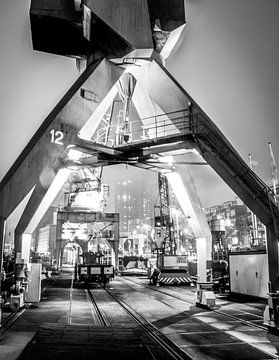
98,316
269,354
174,351
10,319
130,317
233,317
13,317
114,311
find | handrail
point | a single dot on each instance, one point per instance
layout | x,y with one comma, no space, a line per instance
153,127
166,114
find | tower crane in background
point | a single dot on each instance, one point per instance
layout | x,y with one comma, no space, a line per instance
171,268
169,245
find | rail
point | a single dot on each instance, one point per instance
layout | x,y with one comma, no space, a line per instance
98,316
229,316
172,349
157,126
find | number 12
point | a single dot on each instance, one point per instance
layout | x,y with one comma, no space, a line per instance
56,137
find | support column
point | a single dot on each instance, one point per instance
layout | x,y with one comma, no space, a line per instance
201,259
22,246
116,243
2,239
271,313
272,253
58,247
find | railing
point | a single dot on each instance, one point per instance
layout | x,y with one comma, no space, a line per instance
163,125
177,122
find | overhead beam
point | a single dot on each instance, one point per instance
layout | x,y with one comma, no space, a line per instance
88,145
157,149
44,154
86,217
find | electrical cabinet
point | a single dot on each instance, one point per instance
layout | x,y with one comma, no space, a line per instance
33,292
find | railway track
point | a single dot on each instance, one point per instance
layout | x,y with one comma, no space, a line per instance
232,317
113,309
10,319
13,317
98,316
174,351
269,354
132,318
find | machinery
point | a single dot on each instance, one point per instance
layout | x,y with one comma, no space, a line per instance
135,265
173,270
93,270
89,274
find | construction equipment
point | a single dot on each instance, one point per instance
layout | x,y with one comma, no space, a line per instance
173,268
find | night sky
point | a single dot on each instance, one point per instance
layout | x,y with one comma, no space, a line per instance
227,60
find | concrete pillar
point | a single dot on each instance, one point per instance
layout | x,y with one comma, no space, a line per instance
18,245
201,259
2,238
116,244
58,247
272,252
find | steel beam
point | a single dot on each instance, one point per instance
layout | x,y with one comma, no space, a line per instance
44,155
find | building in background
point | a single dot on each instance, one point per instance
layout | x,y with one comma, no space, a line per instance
133,194
234,227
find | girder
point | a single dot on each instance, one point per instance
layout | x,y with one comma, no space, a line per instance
225,160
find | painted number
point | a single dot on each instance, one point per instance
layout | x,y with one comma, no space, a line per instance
56,137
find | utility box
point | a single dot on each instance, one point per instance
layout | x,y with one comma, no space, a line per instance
33,293
249,273
205,295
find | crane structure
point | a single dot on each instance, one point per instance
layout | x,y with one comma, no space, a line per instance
124,45
169,245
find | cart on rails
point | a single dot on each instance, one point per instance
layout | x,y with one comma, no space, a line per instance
98,274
